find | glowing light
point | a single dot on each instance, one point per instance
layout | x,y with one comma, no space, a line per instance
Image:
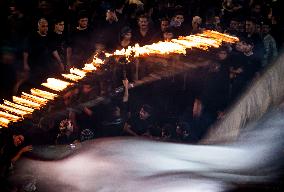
34,98
78,72
13,110
72,77
9,116
26,102
56,84
4,122
17,106
44,94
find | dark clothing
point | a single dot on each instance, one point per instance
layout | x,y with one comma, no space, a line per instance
59,43
140,126
82,46
39,58
7,81
143,40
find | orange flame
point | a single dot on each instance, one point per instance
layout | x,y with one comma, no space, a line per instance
20,107
4,122
9,116
13,110
26,102
43,94
56,84
72,77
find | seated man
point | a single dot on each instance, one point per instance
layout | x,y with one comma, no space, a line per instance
142,123
11,149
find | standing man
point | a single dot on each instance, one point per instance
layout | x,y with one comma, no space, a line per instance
143,35
36,56
58,45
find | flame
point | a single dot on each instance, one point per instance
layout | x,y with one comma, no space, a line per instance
78,72
34,98
56,84
9,116
13,110
20,107
72,77
89,68
4,122
43,94
26,102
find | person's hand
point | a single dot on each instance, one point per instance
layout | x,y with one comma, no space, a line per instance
125,83
27,149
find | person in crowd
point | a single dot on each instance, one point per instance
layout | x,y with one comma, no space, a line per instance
252,35
58,46
36,56
164,25
81,42
178,25
270,47
196,25
233,27
67,134
144,34
168,34
125,38
11,149
141,124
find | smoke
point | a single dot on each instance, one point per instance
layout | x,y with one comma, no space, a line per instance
130,164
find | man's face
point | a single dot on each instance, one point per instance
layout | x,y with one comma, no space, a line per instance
143,23
143,114
128,36
86,88
59,26
164,25
83,22
240,46
234,25
265,29
222,55
168,36
43,27
18,140
250,27
179,19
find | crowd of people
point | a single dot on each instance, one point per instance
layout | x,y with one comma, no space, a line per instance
43,38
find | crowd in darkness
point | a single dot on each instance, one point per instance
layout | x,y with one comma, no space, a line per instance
41,38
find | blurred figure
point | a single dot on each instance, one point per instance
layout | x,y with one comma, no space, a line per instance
125,38
144,34
178,25
270,48
196,25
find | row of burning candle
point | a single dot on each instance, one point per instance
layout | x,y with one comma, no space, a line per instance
28,102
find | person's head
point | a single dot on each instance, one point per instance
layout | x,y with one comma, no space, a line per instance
143,22
66,127
248,46
87,88
126,33
164,24
182,129
222,54
42,27
59,26
111,15
168,34
266,28
240,46
256,8
179,18
250,26
196,22
83,20
18,140
145,112
234,24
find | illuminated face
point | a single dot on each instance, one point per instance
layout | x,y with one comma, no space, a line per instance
164,25
43,27
143,23
59,27
168,36
18,140
179,19
127,36
143,114
83,23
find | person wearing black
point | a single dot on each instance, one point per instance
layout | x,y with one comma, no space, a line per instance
144,34
11,149
81,43
58,46
36,56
